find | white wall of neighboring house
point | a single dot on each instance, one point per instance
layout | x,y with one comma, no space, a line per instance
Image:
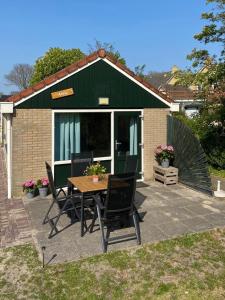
189,107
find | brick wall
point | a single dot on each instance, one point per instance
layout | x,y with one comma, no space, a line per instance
155,133
31,145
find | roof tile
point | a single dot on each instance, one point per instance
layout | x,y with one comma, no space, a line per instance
26,92
112,59
60,74
50,79
38,86
82,63
73,68
92,57
14,98
102,53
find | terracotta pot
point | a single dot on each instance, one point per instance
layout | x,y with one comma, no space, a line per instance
95,178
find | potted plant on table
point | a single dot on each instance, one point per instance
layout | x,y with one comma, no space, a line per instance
95,170
42,185
164,155
29,187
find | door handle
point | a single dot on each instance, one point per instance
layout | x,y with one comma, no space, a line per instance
117,144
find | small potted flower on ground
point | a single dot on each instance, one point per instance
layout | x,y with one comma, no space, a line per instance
29,187
164,155
42,185
95,170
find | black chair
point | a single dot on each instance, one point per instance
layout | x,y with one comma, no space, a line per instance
79,163
131,164
118,207
67,204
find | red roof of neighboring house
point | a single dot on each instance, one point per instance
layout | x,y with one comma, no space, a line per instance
101,53
178,92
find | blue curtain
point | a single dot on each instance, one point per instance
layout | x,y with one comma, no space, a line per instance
133,136
67,135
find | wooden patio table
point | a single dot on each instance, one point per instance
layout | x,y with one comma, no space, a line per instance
86,185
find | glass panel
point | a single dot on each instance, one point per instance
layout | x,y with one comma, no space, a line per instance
67,135
122,142
133,136
75,133
96,133
126,143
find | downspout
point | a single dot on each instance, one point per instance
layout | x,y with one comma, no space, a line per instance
6,108
9,154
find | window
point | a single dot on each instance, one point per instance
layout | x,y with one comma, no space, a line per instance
81,132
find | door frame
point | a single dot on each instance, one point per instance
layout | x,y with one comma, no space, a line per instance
111,157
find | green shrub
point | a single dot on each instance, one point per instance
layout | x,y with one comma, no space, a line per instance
208,126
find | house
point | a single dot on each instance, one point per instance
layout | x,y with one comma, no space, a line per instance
183,97
95,104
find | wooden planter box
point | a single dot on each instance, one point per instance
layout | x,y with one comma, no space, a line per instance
166,175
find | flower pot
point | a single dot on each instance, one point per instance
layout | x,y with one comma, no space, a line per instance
95,178
30,195
165,163
43,192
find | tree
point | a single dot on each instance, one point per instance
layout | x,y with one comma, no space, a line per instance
109,48
211,81
139,70
55,59
208,73
20,76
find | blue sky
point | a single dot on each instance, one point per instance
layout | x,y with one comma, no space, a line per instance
156,33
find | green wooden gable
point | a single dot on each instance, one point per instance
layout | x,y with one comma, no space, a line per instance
98,80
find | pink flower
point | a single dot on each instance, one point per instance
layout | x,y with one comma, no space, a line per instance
164,147
44,181
158,151
29,183
170,148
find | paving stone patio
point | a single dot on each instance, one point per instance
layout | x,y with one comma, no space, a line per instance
15,226
167,212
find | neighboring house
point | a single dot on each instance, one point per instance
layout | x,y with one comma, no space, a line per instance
184,97
95,104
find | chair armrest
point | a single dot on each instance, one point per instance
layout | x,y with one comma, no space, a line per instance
98,201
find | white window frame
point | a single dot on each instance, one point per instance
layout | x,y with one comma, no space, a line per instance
111,157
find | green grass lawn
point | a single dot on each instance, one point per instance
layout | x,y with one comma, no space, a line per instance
190,267
215,172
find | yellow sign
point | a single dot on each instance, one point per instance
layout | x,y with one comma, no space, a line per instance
63,93
103,101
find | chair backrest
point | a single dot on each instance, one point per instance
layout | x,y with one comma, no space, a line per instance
51,180
120,194
79,163
131,164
